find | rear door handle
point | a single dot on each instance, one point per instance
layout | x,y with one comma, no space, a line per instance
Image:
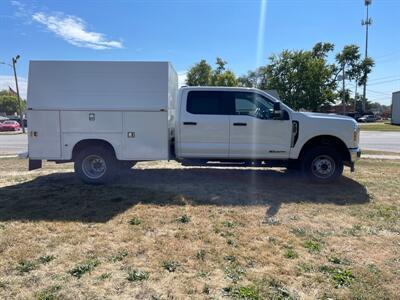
239,124
189,123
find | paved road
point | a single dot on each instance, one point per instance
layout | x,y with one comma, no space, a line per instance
369,140
13,143
380,141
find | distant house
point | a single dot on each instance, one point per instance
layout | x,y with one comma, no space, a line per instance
396,108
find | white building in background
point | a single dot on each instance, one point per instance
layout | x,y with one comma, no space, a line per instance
396,108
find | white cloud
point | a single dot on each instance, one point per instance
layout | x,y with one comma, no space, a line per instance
182,78
8,81
73,30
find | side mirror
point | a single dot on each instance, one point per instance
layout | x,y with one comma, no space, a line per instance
277,113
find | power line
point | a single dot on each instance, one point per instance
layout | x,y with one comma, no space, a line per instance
385,77
383,82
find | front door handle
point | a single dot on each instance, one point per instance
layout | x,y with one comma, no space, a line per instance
239,124
189,123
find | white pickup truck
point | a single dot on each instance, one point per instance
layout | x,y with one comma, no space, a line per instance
106,116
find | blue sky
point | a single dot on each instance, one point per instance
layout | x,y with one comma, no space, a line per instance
184,32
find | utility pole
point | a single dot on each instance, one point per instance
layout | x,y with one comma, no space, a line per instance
21,117
367,22
355,96
344,92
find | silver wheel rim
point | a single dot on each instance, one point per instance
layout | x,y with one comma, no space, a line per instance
323,166
94,166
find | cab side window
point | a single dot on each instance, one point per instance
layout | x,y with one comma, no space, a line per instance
208,103
203,103
254,105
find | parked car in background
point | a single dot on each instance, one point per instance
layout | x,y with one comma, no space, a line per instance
367,119
10,126
354,115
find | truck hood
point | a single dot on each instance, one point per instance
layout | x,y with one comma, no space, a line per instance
329,118
315,124
326,116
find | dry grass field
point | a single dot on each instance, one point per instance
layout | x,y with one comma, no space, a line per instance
163,231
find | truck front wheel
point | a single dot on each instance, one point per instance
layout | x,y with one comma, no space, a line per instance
322,164
95,165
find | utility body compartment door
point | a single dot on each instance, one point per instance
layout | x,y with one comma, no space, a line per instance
145,135
44,141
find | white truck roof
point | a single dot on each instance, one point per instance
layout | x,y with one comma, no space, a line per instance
101,85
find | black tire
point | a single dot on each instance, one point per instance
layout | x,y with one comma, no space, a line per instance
322,164
95,165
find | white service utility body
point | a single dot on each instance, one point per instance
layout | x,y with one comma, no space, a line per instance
106,116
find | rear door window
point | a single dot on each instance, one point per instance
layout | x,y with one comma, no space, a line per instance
208,103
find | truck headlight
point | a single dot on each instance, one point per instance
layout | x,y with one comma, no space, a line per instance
356,135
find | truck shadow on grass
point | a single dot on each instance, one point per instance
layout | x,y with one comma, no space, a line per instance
62,197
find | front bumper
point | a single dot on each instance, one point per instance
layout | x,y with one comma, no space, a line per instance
355,154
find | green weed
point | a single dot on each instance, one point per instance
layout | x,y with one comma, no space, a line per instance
46,259
341,277
119,256
234,272
26,266
48,294
298,231
183,219
87,266
243,292
291,254
134,221
104,276
312,246
137,275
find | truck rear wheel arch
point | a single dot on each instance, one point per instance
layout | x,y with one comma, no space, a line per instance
84,144
328,141
95,161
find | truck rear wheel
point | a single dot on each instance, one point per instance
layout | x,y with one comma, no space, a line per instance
322,164
95,165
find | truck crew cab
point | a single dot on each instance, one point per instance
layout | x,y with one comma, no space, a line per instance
106,116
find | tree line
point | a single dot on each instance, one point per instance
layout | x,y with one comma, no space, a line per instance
304,79
9,103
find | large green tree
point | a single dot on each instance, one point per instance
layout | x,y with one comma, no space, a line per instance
303,79
9,103
354,68
255,79
202,74
199,74
348,61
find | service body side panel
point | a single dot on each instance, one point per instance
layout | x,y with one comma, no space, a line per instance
103,100
44,134
91,121
145,136
98,85
70,139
